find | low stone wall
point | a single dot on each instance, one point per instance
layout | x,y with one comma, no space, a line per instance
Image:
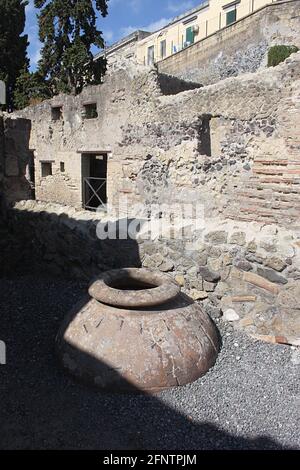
249,273
239,48
60,240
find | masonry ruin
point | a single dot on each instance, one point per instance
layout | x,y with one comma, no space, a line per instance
147,138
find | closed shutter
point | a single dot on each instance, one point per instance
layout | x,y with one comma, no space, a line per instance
190,35
163,49
230,17
150,55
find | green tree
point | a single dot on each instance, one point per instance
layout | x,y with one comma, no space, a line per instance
13,44
31,88
68,30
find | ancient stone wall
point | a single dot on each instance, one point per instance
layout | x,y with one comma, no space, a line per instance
232,149
17,159
250,272
14,159
239,48
236,143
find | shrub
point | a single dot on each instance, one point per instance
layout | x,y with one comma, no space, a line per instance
278,54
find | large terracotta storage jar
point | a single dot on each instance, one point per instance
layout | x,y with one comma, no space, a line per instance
137,331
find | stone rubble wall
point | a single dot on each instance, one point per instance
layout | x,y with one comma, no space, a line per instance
14,159
248,272
232,147
236,143
239,48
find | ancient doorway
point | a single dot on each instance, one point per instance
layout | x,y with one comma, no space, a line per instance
205,143
30,173
94,181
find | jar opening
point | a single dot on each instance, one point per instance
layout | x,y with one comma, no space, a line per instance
131,284
133,287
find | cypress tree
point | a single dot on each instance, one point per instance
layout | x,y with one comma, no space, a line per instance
13,44
30,89
68,30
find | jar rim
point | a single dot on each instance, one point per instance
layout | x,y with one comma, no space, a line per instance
161,288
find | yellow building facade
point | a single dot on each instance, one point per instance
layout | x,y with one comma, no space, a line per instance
195,25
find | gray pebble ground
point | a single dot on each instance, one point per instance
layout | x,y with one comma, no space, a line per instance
249,400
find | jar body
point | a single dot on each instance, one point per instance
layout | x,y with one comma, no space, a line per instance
142,349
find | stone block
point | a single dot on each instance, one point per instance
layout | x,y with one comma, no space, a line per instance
261,282
230,315
238,238
243,298
252,246
166,266
276,263
179,278
271,276
208,275
217,237
198,295
243,265
209,286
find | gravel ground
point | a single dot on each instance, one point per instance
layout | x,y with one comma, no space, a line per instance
249,400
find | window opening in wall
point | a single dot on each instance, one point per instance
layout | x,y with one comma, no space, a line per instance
30,174
231,17
205,136
94,181
62,167
150,55
90,111
46,169
163,49
56,113
189,36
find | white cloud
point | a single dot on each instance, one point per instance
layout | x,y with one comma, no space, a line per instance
180,7
134,5
108,35
128,30
154,26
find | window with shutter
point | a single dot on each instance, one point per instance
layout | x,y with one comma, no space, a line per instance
163,49
190,36
150,55
230,17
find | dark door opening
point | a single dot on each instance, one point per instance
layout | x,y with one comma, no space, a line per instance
30,174
205,136
94,174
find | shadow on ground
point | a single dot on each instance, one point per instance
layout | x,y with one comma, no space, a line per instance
43,408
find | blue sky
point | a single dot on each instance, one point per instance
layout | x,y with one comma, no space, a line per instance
124,16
